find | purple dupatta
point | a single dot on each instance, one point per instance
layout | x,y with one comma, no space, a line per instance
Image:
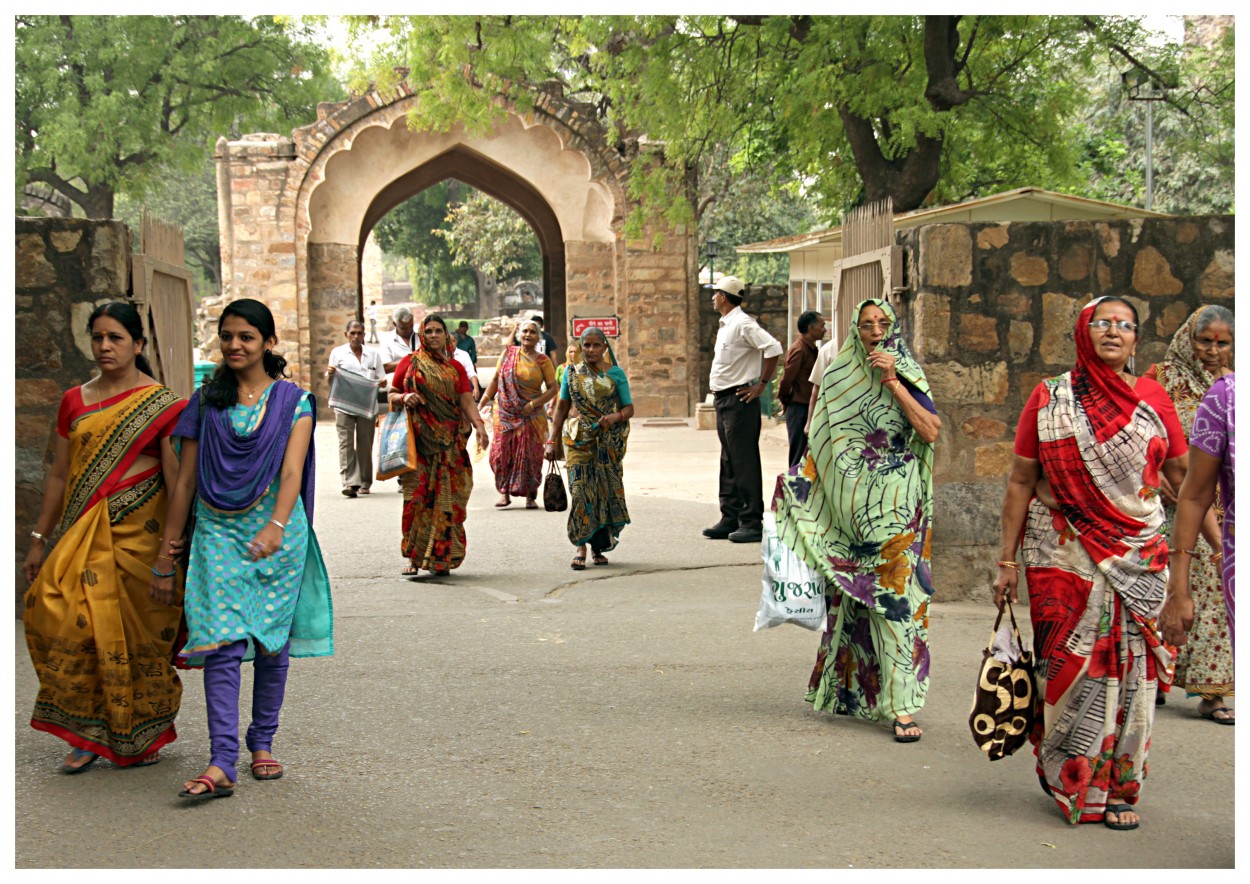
234,471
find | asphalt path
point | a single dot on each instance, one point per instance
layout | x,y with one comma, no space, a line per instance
521,715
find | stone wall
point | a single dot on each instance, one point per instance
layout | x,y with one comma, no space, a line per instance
992,314
64,269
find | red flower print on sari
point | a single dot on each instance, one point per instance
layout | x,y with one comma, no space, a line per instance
1156,448
1075,775
1061,526
1103,662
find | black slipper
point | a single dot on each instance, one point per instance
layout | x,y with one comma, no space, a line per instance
1118,809
212,790
906,738
579,563
1210,715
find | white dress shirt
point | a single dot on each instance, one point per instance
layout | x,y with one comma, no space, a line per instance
741,348
824,356
462,356
395,348
369,364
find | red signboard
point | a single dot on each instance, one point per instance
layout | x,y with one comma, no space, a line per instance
610,325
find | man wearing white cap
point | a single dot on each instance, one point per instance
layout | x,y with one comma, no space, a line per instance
742,367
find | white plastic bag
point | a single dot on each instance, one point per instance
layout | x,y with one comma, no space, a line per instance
794,592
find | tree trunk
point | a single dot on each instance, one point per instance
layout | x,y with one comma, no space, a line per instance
907,180
97,202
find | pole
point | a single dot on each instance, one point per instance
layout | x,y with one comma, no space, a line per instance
1150,161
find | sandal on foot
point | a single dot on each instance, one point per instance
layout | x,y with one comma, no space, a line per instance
267,762
440,572
579,563
148,760
410,571
212,789
599,559
78,754
906,738
531,503
503,501
1119,809
1213,715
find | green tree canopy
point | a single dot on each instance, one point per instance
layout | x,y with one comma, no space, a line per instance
110,103
917,108
484,234
408,231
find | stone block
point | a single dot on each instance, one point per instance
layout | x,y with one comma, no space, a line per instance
1076,263
33,270
977,332
1059,313
1029,270
1028,383
1110,237
1218,279
993,237
31,430
933,325
994,459
945,256
1020,340
1186,232
109,266
34,393
953,383
982,427
1171,318
1015,304
66,240
1152,275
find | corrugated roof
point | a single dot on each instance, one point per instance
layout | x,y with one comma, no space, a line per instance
937,214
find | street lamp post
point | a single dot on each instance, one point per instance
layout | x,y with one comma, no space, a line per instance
1144,87
712,252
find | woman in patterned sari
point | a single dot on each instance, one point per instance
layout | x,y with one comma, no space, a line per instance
1201,351
435,389
101,645
1083,501
594,443
859,509
516,452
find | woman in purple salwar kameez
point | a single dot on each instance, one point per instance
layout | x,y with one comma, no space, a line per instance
256,584
1212,456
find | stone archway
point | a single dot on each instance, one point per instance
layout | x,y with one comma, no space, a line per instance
477,171
294,213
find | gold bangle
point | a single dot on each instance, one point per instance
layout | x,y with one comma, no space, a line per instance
1188,552
1015,566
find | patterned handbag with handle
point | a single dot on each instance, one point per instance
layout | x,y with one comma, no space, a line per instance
555,499
1003,708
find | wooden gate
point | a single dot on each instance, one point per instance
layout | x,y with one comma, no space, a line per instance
871,264
162,291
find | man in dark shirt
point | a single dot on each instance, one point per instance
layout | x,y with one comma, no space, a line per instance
465,342
795,390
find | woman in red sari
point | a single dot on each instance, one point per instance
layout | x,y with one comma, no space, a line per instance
516,455
1083,503
435,390
101,645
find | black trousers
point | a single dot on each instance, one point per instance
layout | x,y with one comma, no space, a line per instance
741,478
796,420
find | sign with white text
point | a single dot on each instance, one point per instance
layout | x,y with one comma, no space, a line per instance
609,325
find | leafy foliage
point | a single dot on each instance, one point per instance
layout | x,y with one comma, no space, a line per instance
483,233
408,230
112,103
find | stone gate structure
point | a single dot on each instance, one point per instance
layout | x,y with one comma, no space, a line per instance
294,214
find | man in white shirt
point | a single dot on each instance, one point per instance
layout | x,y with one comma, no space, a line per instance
824,357
399,343
355,431
742,367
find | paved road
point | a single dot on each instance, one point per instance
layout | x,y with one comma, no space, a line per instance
519,714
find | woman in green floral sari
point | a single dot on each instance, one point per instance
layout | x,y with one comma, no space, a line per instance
596,393
859,508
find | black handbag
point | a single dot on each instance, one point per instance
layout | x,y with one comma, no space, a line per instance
555,500
1003,710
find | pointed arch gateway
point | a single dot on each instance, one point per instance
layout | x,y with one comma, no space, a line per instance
471,168
294,214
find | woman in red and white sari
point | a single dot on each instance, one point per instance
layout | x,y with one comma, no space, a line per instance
1083,504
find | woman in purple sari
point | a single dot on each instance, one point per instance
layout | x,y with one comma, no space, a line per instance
256,584
1212,456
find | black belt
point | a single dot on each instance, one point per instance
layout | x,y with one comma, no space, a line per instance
732,390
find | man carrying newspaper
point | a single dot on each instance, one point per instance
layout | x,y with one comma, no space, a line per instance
355,375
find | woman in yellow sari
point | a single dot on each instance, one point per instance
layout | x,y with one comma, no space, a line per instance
101,646
516,452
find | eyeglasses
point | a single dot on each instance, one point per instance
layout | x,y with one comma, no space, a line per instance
1122,325
869,326
1207,344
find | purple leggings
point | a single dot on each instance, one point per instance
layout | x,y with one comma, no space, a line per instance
221,694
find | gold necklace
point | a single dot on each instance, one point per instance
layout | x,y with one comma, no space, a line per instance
252,393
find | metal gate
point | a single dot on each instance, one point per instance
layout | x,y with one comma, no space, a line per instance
871,264
162,293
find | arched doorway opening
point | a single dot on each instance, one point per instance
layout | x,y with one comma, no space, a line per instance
471,168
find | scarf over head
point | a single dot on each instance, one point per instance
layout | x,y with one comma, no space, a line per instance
437,422
1182,374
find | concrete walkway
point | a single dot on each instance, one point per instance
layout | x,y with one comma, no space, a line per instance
520,714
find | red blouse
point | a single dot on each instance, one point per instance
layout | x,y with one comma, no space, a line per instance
462,379
73,407
1147,388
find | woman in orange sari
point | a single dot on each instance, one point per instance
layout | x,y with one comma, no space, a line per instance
101,646
516,454
435,389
